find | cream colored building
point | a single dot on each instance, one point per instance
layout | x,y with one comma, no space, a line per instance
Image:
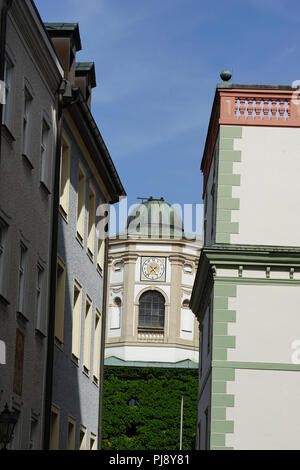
151,275
246,293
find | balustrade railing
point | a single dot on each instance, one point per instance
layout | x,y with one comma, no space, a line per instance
272,107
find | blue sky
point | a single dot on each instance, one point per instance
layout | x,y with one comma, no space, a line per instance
157,65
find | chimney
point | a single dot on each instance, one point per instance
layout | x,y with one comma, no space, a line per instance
66,40
85,79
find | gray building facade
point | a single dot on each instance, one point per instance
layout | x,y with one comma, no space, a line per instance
32,74
87,179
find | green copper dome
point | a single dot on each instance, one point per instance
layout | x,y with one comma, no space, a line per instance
155,218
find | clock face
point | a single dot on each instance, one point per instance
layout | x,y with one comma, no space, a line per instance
153,268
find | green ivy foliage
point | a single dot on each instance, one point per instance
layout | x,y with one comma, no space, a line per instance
154,423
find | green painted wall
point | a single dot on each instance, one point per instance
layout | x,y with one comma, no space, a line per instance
154,423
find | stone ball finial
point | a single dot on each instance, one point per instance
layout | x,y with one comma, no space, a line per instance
225,75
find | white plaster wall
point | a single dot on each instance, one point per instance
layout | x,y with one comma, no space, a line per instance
269,194
187,321
115,248
168,270
116,276
138,269
266,413
187,279
153,247
152,353
190,251
267,323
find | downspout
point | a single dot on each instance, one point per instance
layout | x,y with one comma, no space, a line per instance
103,331
53,267
4,12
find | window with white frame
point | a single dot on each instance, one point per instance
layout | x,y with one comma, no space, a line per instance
39,296
64,185
8,68
22,272
97,346
87,335
44,151
26,120
91,221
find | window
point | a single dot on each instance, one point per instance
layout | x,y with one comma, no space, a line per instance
54,428
26,120
81,205
212,208
115,314
33,444
201,350
209,326
3,231
93,442
100,257
152,310
22,272
102,229
8,68
44,151
64,177
39,290
97,346
87,336
206,429
82,438
76,332
199,436
91,222
60,303
132,402
71,433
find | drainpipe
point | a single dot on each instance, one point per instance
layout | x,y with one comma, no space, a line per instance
104,306
4,12
53,267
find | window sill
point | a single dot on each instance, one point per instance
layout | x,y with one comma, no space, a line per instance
150,329
95,381
79,238
4,301
86,371
9,136
22,317
63,213
28,161
75,360
40,333
59,344
100,270
90,255
45,188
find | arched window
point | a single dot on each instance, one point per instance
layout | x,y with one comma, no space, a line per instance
152,310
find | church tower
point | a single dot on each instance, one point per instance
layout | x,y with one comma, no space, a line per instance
151,274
